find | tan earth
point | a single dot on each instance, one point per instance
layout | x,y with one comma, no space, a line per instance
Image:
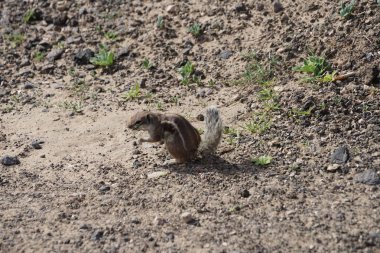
83,184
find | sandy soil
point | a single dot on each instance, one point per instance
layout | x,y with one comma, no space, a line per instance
83,184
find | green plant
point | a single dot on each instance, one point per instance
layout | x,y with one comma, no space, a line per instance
233,135
186,72
38,56
104,58
15,39
146,64
75,107
329,77
110,35
314,66
260,124
160,23
29,16
295,112
133,93
346,9
262,160
196,29
259,71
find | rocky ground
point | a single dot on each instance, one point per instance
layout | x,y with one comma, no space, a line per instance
73,178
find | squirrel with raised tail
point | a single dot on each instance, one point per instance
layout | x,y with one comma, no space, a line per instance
181,139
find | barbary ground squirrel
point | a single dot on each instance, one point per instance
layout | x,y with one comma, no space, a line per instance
181,139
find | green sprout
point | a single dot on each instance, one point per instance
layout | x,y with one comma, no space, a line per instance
110,35
38,56
347,8
186,72
146,64
133,93
30,15
160,22
262,160
104,58
314,66
196,29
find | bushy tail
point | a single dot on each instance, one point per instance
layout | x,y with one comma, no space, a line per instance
213,132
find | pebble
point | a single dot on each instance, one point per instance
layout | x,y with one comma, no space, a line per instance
340,156
123,52
28,86
83,57
54,54
225,54
245,193
57,86
9,160
159,221
187,217
157,174
369,177
333,167
172,9
104,188
37,144
97,235
277,7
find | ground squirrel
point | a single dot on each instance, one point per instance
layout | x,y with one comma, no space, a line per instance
181,139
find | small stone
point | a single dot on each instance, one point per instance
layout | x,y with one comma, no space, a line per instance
57,86
187,217
159,221
245,193
369,177
333,167
123,52
135,220
277,7
157,174
97,235
172,9
225,54
9,160
239,7
83,57
28,86
340,156
54,54
37,144
104,188
200,117
84,226
259,7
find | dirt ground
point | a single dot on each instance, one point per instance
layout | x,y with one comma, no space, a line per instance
81,183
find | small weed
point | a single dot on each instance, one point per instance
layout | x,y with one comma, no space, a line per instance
211,83
328,78
15,39
160,23
267,94
104,58
60,45
80,88
262,160
29,16
257,71
75,107
133,93
295,112
159,106
186,72
233,135
346,9
196,29
146,64
38,56
110,35
261,124
314,66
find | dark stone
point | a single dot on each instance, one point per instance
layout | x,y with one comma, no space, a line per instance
122,52
225,54
245,193
37,144
83,57
104,188
97,235
28,86
200,117
277,7
9,160
240,7
369,177
54,54
341,155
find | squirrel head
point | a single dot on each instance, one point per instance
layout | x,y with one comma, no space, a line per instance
142,120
